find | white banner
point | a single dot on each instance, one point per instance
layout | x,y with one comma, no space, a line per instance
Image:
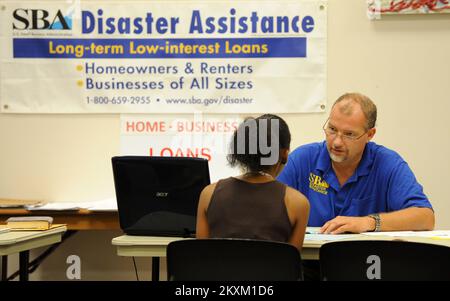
197,136
163,56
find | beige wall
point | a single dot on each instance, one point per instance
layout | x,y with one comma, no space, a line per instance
401,62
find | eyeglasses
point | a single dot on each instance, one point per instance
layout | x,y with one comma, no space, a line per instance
331,131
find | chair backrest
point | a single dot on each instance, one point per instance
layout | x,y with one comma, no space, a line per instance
232,260
384,260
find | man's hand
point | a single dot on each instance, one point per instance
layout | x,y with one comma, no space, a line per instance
343,224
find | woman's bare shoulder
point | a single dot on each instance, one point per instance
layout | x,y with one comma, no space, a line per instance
294,195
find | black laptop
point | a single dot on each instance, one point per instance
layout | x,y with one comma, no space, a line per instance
158,196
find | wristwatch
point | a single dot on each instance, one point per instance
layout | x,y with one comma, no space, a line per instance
377,219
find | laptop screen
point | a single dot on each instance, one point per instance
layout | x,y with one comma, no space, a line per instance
159,195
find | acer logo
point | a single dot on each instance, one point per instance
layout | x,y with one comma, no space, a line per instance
162,194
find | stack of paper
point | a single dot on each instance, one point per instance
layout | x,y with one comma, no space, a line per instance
438,234
102,205
61,206
328,237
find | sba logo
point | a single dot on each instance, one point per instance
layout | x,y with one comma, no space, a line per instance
40,19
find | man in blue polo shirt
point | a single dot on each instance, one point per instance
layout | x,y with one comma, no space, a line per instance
352,184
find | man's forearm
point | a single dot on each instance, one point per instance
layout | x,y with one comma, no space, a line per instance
419,219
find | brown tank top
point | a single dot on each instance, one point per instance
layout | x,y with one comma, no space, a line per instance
240,209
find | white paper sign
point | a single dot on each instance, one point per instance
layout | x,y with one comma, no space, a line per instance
181,136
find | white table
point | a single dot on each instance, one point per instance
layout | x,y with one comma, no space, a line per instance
23,241
155,247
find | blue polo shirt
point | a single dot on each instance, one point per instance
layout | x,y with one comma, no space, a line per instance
383,182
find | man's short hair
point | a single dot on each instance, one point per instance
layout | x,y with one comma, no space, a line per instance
367,106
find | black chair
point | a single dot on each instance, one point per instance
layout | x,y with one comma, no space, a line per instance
384,260
232,260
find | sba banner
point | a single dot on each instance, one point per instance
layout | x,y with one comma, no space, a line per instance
163,56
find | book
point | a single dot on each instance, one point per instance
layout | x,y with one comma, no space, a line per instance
29,222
